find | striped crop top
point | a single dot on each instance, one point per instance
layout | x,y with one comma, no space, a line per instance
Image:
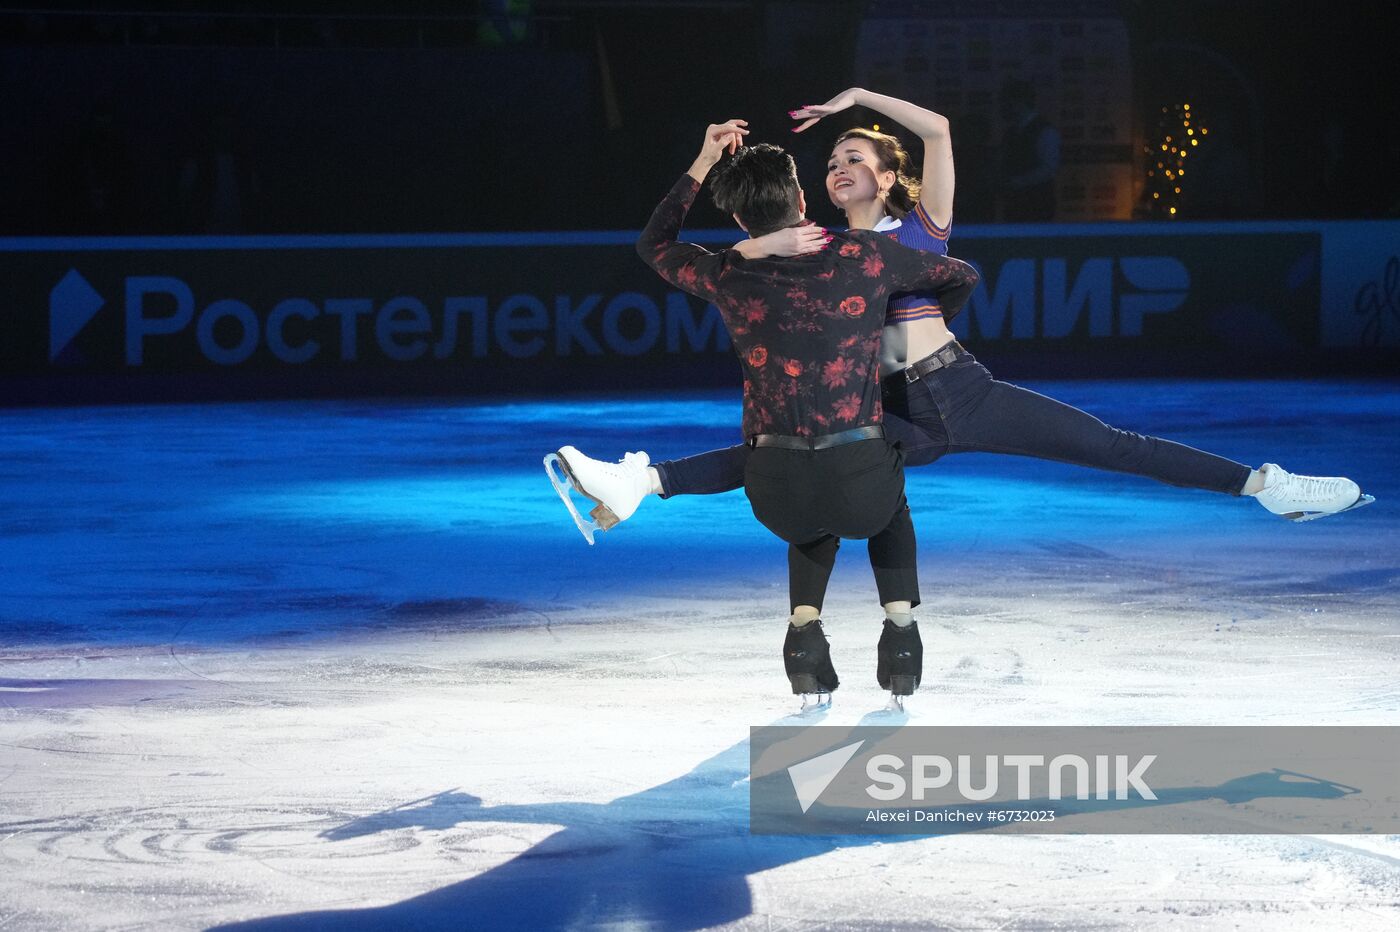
917,231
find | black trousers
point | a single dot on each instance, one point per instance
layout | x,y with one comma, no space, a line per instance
813,498
962,409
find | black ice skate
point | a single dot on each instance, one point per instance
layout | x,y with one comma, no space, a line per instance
807,660
901,661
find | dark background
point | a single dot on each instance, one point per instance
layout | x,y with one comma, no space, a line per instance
411,116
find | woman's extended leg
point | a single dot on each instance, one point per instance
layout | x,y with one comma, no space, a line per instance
704,473
981,414
984,415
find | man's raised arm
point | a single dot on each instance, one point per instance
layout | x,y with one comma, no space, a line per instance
684,264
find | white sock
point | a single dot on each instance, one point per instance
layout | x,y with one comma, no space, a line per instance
801,619
901,619
654,478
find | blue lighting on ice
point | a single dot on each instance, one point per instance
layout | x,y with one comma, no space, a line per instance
232,521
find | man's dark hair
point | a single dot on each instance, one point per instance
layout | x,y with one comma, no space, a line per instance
759,183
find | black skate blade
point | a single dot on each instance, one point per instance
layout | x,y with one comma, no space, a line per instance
903,684
806,683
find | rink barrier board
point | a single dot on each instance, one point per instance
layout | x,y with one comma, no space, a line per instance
164,317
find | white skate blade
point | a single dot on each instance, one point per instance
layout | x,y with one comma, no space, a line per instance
896,704
1298,516
563,482
814,702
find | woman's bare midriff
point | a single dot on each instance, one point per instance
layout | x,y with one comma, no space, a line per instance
902,344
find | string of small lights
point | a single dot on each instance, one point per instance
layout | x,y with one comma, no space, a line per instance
1179,135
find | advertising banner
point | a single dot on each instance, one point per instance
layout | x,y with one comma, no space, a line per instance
179,318
1361,285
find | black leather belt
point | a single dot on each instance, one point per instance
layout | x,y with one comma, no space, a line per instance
945,355
824,442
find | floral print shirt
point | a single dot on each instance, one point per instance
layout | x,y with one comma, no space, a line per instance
806,329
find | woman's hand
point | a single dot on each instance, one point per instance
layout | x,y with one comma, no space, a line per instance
814,112
790,241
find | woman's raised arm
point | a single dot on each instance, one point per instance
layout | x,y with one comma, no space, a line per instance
937,190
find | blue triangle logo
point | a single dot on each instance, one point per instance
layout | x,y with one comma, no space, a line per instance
72,304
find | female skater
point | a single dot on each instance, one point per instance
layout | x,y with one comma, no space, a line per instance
937,398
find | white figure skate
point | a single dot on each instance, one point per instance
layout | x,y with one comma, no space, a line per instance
615,488
1306,498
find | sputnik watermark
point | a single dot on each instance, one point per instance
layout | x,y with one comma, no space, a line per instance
935,772
911,780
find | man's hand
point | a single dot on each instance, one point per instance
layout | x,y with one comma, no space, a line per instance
718,137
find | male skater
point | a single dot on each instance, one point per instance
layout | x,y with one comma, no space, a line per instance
807,333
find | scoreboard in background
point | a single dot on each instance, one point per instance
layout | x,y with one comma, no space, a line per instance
953,57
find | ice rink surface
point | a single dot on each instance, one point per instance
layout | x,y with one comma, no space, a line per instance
348,665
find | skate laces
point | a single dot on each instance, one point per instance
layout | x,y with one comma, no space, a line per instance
1297,488
1325,488
1314,488
626,468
